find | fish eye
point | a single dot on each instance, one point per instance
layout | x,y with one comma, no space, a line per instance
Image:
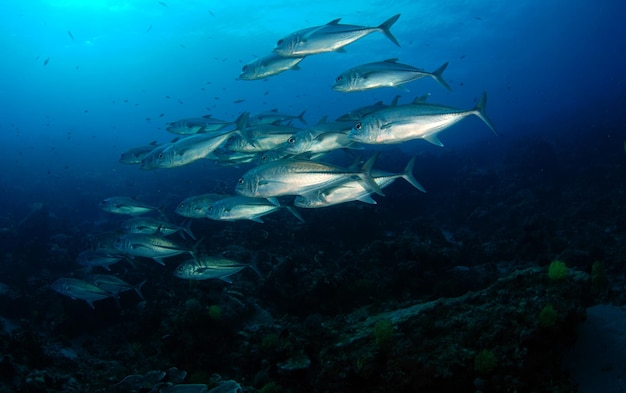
240,180
160,155
358,126
291,140
339,78
279,43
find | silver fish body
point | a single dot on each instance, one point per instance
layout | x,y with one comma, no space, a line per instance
113,284
296,177
197,205
154,226
136,154
413,121
80,289
149,246
388,73
92,258
125,205
196,125
243,208
269,65
210,267
328,38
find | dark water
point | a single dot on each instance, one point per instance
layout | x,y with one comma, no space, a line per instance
82,84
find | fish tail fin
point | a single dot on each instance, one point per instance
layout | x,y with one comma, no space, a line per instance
438,75
407,175
186,228
366,175
301,117
194,250
385,28
253,265
480,111
137,289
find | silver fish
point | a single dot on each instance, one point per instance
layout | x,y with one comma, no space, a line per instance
354,191
261,138
80,289
197,205
388,73
125,205
359,113
211,267
269,65
92,258
274,116
245,208
330,37
413,121
113,284
310,141
151,159
136,154
150,246
196,125
298,177
155,226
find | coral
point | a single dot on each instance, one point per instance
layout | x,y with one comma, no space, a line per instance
557,270
548,316
485,362
383,332
215,312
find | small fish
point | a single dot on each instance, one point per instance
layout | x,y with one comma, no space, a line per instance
125,205
155,226
92,258
163,4
150,246
149,28
80,289
208,267
245,208
45,62
239,101
330,37
71,36
267,66
388,73
197,206
114,284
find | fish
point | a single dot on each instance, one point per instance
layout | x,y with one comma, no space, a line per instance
154,226
196,125
71,36
196,206
313,142
298,177
388,73
414,121
150,246
245,208
260,138
269,65
80,289
330,37
354,191
92,258
163,4
273,117
190,149
125,205
151,159
211,267
45,62
113,284
136,154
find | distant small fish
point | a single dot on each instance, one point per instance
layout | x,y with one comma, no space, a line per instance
478,18
45,62
183,46
162,114
149,28
179,101
163,4
211,12
239,101
71,36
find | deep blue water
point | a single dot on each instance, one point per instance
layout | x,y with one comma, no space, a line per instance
83,82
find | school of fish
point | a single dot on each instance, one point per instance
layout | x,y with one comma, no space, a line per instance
289,165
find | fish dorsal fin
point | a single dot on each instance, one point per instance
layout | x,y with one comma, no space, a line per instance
395,101
275,110
153,143
394,60
334,22
206,116
323,120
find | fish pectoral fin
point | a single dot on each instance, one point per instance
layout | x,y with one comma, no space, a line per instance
226,279
367,199
432,138
257,219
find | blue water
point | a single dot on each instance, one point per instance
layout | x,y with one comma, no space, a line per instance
84,81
